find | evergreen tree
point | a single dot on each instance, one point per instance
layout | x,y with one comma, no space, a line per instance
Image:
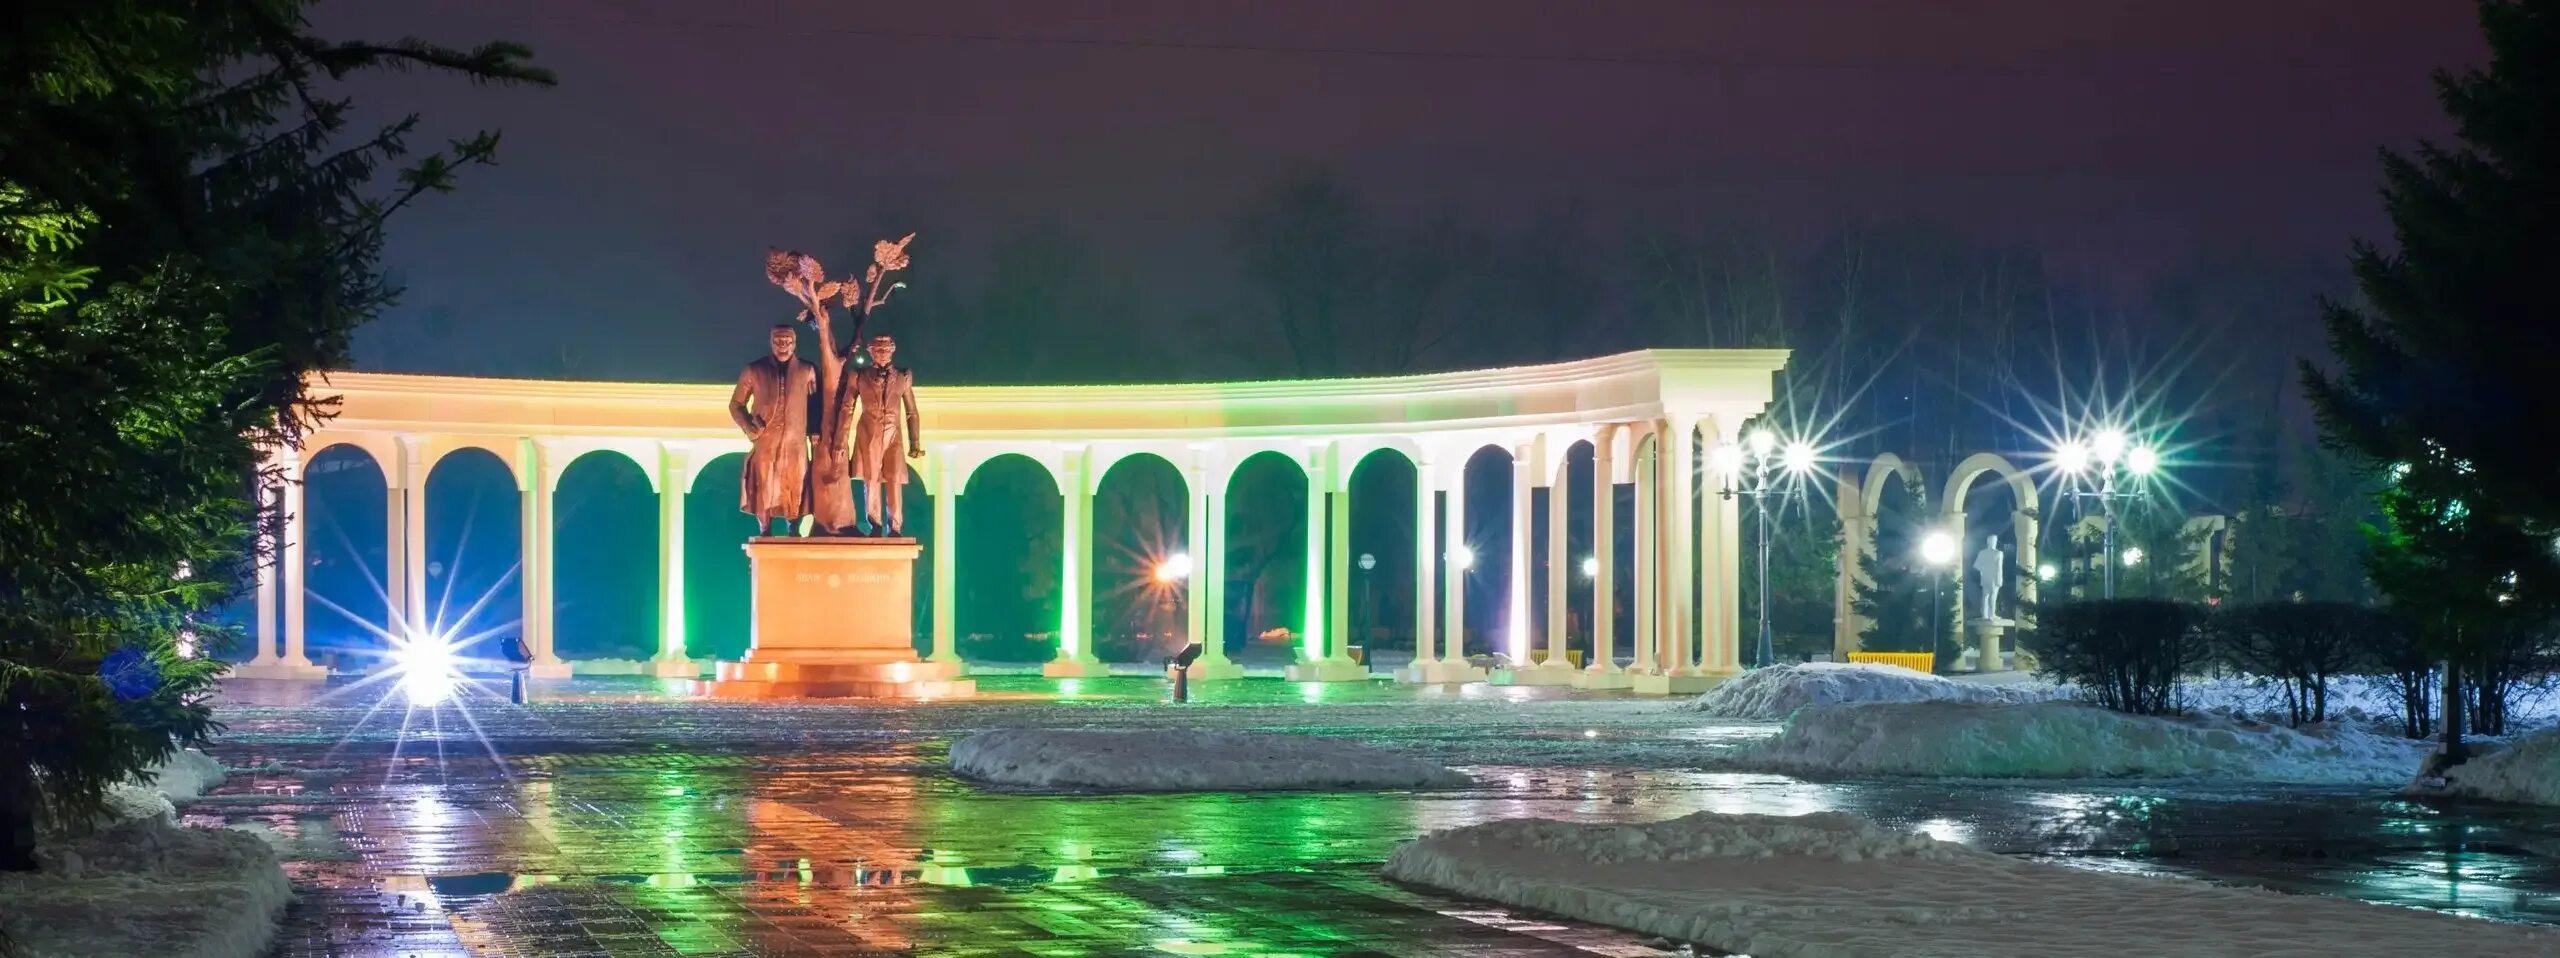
189,228
1909,607
2441,378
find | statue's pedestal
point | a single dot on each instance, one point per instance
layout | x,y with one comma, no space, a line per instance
1986,642
834,618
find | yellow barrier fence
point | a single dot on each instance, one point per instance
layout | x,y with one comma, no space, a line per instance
1921,662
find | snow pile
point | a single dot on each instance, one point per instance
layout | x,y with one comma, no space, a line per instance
2526,770
1178,760
2064,740
1774,693
1838,886
139,884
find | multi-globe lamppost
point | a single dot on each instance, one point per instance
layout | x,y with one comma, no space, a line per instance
1748,468
2091,469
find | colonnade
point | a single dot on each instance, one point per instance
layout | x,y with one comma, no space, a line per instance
1645,415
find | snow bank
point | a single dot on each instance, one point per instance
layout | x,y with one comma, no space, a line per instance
2064,740
2526,770
1838,886
140,884
1178,760
1777,692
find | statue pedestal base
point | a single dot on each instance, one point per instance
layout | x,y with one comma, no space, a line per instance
834,618
1986,642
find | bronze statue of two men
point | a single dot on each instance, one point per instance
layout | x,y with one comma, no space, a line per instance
771,405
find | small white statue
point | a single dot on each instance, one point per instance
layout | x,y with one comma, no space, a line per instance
1990,563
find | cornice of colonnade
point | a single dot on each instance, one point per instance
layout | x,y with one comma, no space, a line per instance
1435,419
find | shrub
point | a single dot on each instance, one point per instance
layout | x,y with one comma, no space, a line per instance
2300,645
2398,657
2127,653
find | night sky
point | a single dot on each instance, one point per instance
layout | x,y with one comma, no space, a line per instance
621,236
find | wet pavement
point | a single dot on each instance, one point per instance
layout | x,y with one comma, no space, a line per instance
611,818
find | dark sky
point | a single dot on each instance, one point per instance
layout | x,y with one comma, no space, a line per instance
2120,138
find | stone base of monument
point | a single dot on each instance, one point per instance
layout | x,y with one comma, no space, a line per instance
1986,642
1326,670
1682,683
834,618
1222,670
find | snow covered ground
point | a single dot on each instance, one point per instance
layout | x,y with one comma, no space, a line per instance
1184,760
1772,694
2066,740
1838,886
2525,770
144,885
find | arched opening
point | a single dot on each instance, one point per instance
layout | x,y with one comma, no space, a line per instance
1906,603
1382,553
474,551
604,578
344,552
717,601
1266,558
1010,528
1976,512
1139,521
1487,542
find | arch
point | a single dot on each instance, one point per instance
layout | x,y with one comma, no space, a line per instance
1141,516
1973,467
642,455
1354,453
1105,457
434,450
717,584
966,468
1488,471
345,547
1870,495
473,548
1266,553
604,565
1379,491
1011,528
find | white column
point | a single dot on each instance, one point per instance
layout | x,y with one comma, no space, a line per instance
1311,641
541,627
266,583
1515,627
1195,543
1453,573
397,478
1648,637
1558,558
1338,632
946,562
1680,613
675,476
1209,577
1723,655
290,560
1604,550
1075,578
1426,529
2022,524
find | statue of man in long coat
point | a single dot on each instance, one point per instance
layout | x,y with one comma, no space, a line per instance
771,405
878,395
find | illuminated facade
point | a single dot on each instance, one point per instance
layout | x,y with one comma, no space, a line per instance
1640,411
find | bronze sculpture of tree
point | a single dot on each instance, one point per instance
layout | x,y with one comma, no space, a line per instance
831,478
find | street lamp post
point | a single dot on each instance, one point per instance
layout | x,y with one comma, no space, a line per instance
1747,470
2092,469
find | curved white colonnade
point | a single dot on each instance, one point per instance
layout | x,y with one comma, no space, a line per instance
1628,406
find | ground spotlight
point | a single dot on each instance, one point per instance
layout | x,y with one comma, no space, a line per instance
428,669
1174,568
1590,566
1461,558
